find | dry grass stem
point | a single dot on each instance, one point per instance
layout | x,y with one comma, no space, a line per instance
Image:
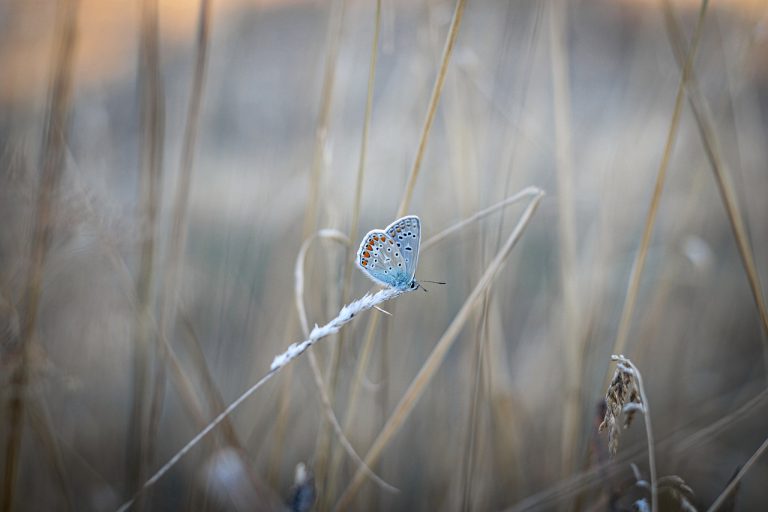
346,315
335,29
566,229
337,236
676,443
638,264
737,479
450,41
436,358
53,150
706,125
528,192
625,396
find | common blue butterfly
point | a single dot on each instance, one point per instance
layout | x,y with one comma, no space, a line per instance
389,257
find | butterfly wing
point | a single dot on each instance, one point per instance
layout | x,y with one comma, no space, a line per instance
406,233
381,260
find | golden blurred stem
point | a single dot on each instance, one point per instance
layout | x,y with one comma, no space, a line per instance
453,32
437,356
570,328
349,266
51,167
321,131
705,124
335,29
183,185
143,421
736,479
639,262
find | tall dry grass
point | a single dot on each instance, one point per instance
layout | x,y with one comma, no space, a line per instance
179,205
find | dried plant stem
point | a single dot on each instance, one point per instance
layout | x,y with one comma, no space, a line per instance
183,184
366,123
335,29
477,397
639,263
145,413
574,484
40,422
528,192
51,167
572,340
453,32
349,266
736,479
317,375
705,124
178,227
648,429
346,315
435,359
335,26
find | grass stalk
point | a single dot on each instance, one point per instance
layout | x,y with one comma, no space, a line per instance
325,399
648,430
335,30
52,153
437,90
436,358
144,409
336,24
470,448
346,315
737,479
707,133
638,264
566,228
184,181
349,265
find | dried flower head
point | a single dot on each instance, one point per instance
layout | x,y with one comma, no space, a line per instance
623,395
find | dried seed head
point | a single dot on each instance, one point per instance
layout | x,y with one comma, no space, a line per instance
622,396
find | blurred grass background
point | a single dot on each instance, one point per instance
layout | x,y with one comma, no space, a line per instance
162,162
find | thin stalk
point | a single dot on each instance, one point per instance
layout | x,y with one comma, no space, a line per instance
469,456
52,152
570,338
317,375
346,315
676,443
145,417
335,26
436,358
648,430
450,41
349,265
639,263
736,479
335,30
705,124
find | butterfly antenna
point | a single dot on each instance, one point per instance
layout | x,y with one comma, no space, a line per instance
435,282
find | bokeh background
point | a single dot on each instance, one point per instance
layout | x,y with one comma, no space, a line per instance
163,161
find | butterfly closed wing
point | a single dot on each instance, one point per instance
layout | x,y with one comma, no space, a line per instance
389,256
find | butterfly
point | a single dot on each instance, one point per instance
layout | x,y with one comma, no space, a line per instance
389,257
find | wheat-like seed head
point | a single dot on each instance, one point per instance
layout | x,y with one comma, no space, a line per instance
622,396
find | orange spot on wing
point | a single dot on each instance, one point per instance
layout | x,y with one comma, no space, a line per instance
367,254
364,263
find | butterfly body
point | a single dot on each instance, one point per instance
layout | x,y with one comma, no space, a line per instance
389,256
